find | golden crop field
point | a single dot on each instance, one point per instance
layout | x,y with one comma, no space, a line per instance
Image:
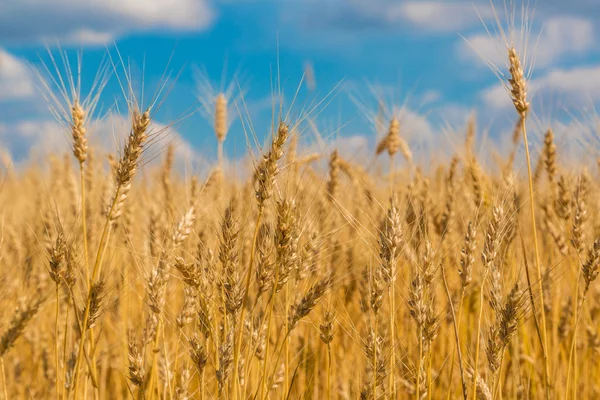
311,276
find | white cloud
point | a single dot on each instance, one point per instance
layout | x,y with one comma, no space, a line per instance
34,139
560,37
430,96
110,133
580,81
563,36
371,16
15,77
355,147
439,16
98,21
496,97
575,86
452,113
89,37
415,127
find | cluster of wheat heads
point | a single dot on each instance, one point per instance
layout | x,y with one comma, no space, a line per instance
457,282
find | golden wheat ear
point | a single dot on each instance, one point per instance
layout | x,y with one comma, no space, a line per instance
516,84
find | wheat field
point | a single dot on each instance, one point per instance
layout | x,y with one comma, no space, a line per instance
312,277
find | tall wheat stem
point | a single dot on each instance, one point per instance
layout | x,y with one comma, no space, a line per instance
456,325
99,256
418,385
287,340
375,359
176,362
56,341
4,383
268,331
573,341
392,295
238,339
62,373
86,260
84,224
329,371
537,260
220,154
478,333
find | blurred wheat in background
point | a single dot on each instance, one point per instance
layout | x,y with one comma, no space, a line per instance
309,276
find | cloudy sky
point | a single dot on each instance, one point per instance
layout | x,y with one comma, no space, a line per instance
424,56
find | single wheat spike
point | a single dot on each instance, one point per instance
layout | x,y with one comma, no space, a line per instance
268,169
137,373
97,300
550,155
470,135
467,256
57,259
493,348
198,353
477,180
483,391
334,175
327,328
184,227
80,147
225,360
166,182
393,142
391,240
20,320
308,302
228,254
265,265
493,238
562,204
518,84
393,137
591,267
286,241
128,164
221,117
188,311
183,383
578,226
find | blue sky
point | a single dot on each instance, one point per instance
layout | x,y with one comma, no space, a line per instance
414,53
